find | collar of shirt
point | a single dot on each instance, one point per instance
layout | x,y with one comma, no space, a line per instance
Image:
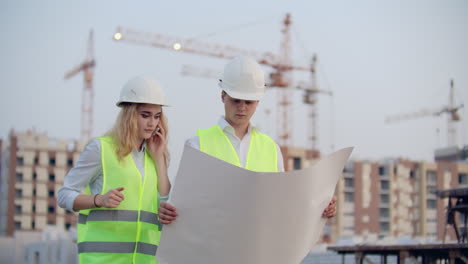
143,149
139,159
226,127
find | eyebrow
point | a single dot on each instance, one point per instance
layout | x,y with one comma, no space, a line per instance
149,112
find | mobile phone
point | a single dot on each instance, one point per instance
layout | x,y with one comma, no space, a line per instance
156,131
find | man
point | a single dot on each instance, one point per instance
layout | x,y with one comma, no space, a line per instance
234,139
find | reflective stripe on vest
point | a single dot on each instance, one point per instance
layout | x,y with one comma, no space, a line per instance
129,233
119,215
117,247
262,155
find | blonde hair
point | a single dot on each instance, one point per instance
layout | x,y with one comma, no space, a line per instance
125,131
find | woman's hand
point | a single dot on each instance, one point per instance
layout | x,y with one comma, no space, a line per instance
157,143
330,211
111,199
158,151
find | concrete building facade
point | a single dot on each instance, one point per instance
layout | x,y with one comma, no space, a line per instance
396,198
33,169
389,198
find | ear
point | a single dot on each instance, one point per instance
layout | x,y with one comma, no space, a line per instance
223,96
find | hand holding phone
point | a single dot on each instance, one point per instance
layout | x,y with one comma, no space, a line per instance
156,131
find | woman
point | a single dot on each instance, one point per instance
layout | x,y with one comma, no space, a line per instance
124,175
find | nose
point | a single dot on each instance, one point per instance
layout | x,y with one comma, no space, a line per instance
152,122
242,105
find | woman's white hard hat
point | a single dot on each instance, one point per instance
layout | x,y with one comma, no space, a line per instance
243,78
142,90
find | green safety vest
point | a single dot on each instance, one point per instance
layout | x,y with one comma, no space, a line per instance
262,155
129,233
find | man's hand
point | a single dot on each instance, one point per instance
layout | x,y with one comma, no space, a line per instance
167,213
330,211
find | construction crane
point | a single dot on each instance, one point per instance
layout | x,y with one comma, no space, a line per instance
310,98
281,65
450,109
87,67
281,77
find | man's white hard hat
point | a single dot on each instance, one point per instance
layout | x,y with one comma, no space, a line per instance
243,79
142,90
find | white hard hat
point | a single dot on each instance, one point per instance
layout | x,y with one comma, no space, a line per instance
243,79
142,90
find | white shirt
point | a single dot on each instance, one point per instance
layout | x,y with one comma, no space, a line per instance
240,145
88,171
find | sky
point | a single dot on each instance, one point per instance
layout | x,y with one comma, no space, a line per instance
380,58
